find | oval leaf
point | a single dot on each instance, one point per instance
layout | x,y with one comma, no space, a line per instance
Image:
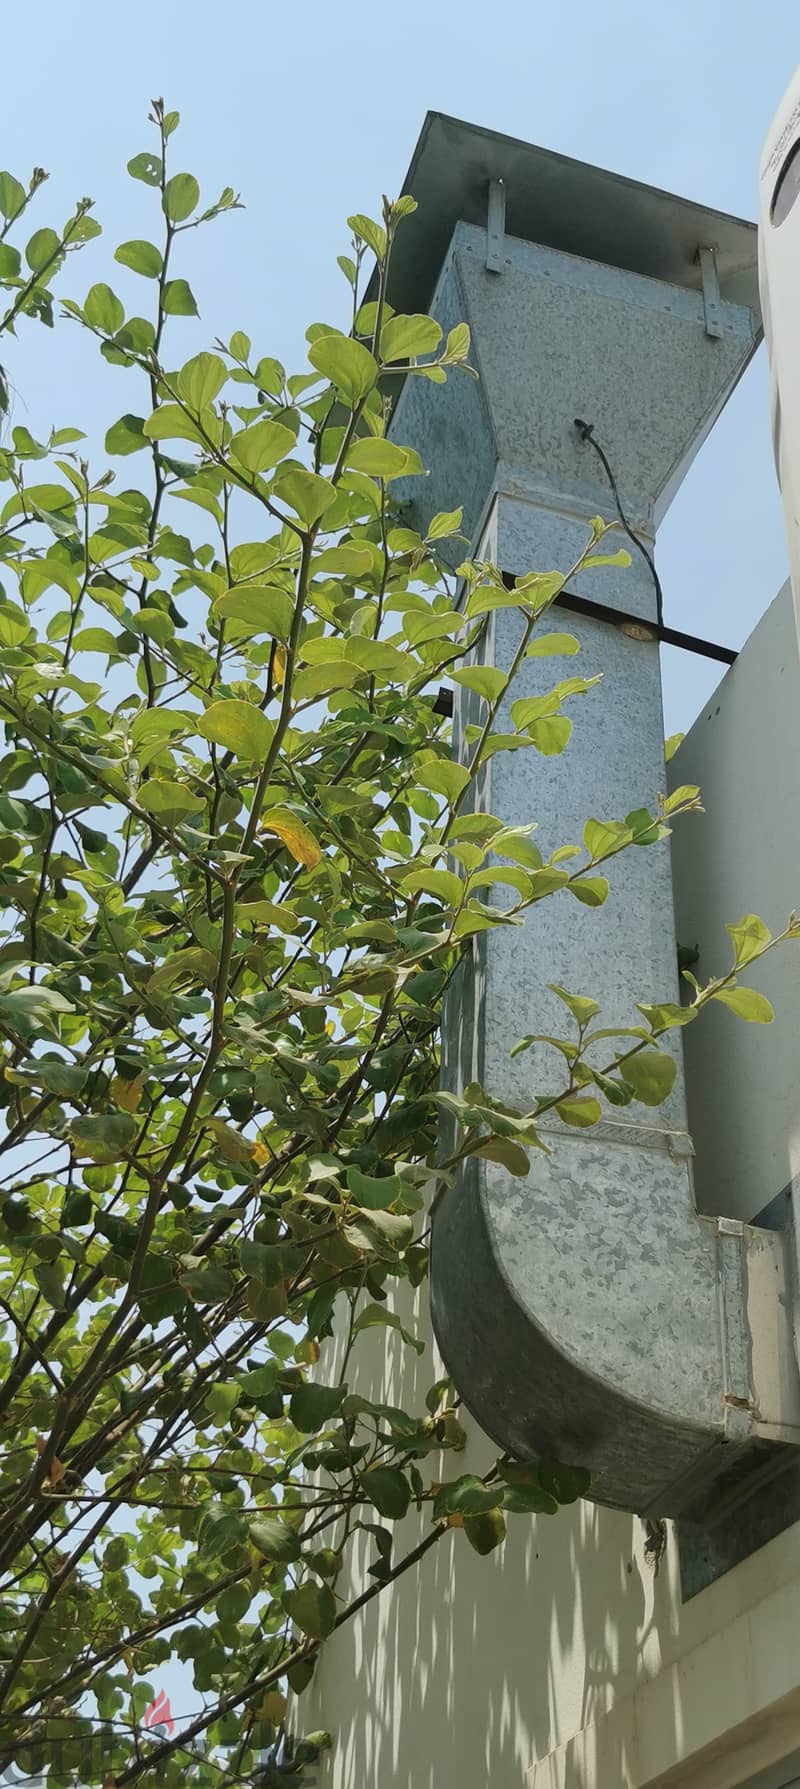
238,726
746,1003
348,365
294,834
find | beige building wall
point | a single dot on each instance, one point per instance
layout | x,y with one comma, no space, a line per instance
562,1661
742,855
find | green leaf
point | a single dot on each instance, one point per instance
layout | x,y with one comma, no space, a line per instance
320,680
485,1532
380,1232
504,1150
388,1488
553,646
107,1138
687,793
457,345
749,937
383,459
103,310
671,745
746,1003
378,1316
262,608
299,1675
63,1078
170,422
551,734
141,257
181,195
10,262
179,299
12,195
484,679
126,436
270,376
311,1405
262,445
591,890
621,558
466,1496
306,493
651,1074
275,1540
260,1382
312,1607
346,363
444,777
529,1500
603,837
173,801
237,726
581,1007
49,1277
207,1285
34,1005
201,380
403,338
146,167
181,967
565,1483
41,249
488,597
371,233
666,1014
371,1194
444,884
221,1401
579,1112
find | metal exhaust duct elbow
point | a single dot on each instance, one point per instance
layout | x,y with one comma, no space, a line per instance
588,1314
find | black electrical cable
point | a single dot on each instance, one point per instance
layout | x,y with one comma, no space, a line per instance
587,434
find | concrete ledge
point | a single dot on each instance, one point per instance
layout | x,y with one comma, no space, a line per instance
728,1708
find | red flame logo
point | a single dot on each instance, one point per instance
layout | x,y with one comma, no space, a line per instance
159,1714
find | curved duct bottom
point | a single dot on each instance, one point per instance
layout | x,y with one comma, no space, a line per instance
588,1314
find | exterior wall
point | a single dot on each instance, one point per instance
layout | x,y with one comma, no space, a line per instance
743,856
561,1661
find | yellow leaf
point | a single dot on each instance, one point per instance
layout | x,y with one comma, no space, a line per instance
233,1147
56,1472
454,1520
260,1154
294,834
273,1706
127,1094
278,665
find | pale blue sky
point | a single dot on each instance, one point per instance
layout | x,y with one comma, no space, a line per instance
312,110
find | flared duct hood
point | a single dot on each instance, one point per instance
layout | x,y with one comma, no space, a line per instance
586,1312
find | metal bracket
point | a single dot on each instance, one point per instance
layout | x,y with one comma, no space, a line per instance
711,295
495,226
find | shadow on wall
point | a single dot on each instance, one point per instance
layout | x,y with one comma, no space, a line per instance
469,1670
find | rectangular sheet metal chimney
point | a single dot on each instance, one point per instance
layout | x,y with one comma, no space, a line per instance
587,1312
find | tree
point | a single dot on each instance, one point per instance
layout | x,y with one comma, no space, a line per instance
240,869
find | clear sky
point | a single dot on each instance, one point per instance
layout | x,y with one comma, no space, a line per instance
312,111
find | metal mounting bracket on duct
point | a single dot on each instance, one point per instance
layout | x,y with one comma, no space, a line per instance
586,1311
